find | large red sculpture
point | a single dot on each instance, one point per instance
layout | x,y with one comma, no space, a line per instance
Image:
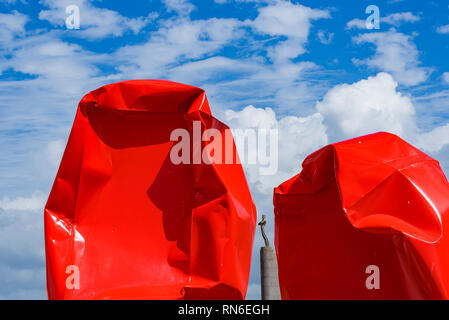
123,221
366,218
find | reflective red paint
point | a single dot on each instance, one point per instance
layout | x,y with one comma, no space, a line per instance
136,225
370,201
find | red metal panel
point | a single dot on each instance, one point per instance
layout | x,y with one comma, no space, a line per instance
374,200
136,225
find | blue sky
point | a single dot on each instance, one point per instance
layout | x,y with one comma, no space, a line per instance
311,69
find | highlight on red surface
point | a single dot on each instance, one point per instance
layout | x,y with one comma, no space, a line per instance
366,218
124,222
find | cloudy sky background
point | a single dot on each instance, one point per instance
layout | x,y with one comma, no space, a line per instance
311,69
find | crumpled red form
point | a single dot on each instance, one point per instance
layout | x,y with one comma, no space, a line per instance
366,203
133,224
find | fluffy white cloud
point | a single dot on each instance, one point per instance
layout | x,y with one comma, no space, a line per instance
95,23
397,54
325,37
367,106
33,203
356,24
290,20
298,136
53,153
446,77
435,139
443,29
183,50
287,19
254,82
395,19
182,7
58,66
211,68
372,105
11,25
177,42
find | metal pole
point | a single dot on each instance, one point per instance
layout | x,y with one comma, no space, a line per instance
268,268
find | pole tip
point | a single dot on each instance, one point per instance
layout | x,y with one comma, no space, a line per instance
262,224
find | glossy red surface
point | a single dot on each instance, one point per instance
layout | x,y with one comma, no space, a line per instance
374,200
136,225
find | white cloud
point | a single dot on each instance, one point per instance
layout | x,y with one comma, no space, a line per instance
95,23
11,25
183,50
395,19
253,81
177,42
59,66
289,20
356,24
211,69
397,54
309,131
33,203
446,77
53,152
372,105
182,7
325,37
435,139
443,29
367,106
